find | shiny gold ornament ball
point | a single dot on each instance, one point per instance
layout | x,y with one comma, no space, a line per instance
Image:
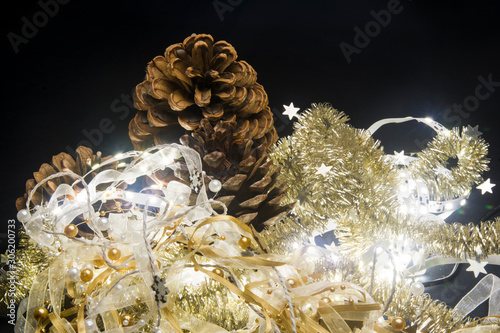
292,283
398,324
99,262
40,314
86,275
71,230
218,271
326,299
114,254
244,242
332,289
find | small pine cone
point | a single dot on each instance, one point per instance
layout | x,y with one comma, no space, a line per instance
85,159
196,80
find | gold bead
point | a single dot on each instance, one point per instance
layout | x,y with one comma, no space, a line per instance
40,314
222,238
83,295
269,291
99,262
398,324
138,300
60,249
87,220
86,275
326,299
342,287
46,303
127,320
218,271
71,230
102,213
167,249
332,289
292,283
244,242
119,209
114,254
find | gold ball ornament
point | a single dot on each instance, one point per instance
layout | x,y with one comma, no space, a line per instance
40,314
99,262
114,254
398,324
326,299
218,271
127,320
71,230
292,283
244,242
86,275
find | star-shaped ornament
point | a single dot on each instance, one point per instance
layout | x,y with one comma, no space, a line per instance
400,158
473,132
486,187
290,111
477,267
323,170
332,247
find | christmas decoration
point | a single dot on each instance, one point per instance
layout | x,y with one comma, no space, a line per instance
290,111
215,234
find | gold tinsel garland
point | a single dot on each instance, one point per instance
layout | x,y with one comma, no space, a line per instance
469,152
360,187
30,260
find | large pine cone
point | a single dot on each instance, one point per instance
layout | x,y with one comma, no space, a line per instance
85,159
199,79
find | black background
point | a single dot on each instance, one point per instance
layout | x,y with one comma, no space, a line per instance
73,72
